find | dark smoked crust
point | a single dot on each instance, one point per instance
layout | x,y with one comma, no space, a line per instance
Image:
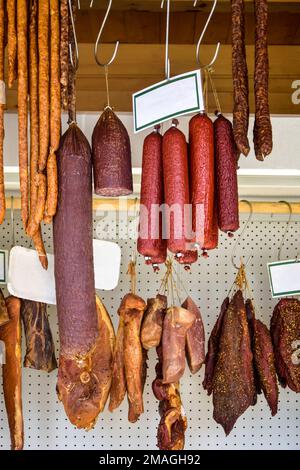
262,127
240,78
111,156
40,349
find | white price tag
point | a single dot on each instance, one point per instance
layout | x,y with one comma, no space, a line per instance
284,278
3,266
168,99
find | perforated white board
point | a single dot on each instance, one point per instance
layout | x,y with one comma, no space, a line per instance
46,426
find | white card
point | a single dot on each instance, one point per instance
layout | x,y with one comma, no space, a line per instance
28,280
168,99
284,278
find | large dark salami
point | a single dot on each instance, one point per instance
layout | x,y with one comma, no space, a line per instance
78,385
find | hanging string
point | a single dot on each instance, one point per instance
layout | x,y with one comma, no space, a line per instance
132,272
106,84
205,90
214,90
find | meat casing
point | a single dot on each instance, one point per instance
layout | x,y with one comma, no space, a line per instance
150,242
201,165
74,278
262,127
111,156
176,188
226,176
10,334
240,78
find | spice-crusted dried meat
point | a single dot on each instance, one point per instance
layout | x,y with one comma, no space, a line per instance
195,338
213,349
285,327
233,383
265,364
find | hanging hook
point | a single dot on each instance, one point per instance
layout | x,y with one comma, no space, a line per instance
201,38
75,64
167,60
240,236
102,64
286,227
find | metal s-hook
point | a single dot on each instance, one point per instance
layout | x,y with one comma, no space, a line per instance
102,64
240,236
75,64
286,227
167,60
201,38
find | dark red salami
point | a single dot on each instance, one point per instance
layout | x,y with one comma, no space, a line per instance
150,241
201,164
111,156
176,188
226,175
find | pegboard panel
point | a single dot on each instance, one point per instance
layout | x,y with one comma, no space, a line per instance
46,426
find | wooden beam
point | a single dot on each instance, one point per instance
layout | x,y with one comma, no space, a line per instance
140,65
130,204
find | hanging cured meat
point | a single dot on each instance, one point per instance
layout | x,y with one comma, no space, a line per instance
40,350
240,78
262,132
265,364
4,318
151,331
226,176
233,382
187,258
2,105
150,241
11,41
176,324
132,310
118,385
10,334
176,188
111,156
285,327
213,349
173,422
195,338
81,346
251,325
201,167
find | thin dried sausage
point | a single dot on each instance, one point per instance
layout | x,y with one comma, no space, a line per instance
2,104
11,42
240,78
22,106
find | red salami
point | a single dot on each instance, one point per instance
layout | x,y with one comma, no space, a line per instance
226,175
176,188
201,164
187,258
150,242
